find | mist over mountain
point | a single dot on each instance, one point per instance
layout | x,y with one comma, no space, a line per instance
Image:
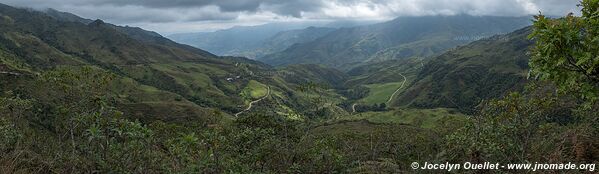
400,38
282,41
242,40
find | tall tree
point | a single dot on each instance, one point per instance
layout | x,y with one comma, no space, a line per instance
567,51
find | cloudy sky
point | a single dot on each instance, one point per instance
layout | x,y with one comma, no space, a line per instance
176,16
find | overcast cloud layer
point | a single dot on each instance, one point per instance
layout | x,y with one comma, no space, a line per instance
172,16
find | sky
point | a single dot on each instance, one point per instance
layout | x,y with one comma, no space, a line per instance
180,16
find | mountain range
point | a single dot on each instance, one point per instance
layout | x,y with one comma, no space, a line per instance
257,41
402,37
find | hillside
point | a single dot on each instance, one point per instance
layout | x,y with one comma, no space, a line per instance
156,77
464,76
383,80
304,73
402,37
149,87
133,32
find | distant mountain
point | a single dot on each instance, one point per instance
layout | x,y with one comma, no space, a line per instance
400,38
283,40
462,77
66,16
133,32
243,40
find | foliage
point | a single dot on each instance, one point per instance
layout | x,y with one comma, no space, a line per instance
85,133
9,135
439,119
374,107
567,51
355,93
535,126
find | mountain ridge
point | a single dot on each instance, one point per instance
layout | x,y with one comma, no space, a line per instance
243,40
411,36
466,75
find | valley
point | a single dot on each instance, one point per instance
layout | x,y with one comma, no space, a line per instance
79,95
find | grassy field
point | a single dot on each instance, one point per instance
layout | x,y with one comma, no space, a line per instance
379,93
424,118
254,90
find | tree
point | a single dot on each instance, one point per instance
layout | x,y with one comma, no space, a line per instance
537,125
12,110
567,51
382,107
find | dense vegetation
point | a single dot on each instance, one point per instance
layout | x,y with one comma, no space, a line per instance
567,51
81,96
463,77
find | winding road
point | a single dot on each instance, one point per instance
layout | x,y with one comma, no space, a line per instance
255,101
396,91
10,73
353,107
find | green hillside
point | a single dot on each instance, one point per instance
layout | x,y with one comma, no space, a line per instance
460,78
464,76
147,64
304,73
425,118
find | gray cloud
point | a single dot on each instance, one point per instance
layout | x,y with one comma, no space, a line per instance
557,7
215,12
293,8
224,5
281,7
